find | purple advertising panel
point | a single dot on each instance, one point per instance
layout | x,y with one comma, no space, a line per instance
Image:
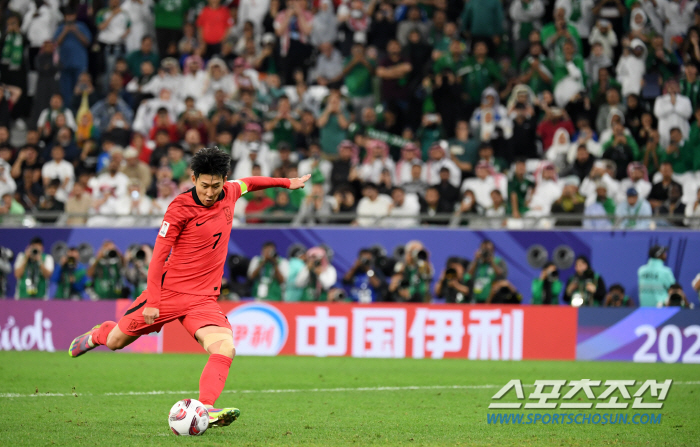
645,335
48,325
52,325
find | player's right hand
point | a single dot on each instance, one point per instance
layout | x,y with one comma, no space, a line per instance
150,314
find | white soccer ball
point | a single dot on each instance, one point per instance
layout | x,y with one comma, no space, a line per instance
188,417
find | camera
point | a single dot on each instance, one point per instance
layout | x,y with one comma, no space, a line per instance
404,284
341,295
6,254
71,262
420,255
111,257
316,263
366,262
553,276
675,300
140,255
35,252
450,274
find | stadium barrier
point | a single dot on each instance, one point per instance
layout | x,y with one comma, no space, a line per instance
476,332
615,255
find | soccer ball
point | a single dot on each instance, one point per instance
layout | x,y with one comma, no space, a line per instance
188,417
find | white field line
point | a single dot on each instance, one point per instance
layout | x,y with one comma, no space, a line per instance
307,390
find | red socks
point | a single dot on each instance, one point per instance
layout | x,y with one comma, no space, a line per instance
213,378
99,336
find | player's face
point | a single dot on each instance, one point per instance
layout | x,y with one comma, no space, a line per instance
208,188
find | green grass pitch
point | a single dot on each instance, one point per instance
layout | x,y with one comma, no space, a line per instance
86,414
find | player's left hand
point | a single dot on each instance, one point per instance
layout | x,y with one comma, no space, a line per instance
298,183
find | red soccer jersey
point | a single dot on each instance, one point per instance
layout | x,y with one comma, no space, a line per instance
199,238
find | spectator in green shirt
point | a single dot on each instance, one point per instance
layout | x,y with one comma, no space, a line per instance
177,162
358,78
569,74
169,21
146,53
690,85
677,153
283,124
546,288
463,149
476,73
9,207
536,70
451,59
333,123
520,189
694,142
555,34
483,19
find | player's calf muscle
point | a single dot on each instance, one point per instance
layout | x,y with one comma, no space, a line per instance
118,340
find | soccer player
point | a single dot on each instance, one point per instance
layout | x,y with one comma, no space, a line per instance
185,286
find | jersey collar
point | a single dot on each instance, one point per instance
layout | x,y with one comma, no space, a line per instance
199,202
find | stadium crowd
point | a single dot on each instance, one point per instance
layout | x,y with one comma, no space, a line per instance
482,111
308,274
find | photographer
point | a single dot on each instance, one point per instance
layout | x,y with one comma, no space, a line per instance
317,277
412,277
296,255
33,268
137,262
454,284
70,276
546,288
269,273
485,269
504,292
6,256
654,278
366,282
677,298
585,287
106,272
616,297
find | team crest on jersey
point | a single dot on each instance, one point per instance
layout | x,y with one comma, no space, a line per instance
227,213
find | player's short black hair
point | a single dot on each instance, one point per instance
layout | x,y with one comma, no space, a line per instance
211,161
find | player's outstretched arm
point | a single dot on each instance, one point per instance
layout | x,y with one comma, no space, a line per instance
161,250
256,183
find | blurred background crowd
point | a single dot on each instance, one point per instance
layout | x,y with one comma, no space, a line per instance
405,275
519,113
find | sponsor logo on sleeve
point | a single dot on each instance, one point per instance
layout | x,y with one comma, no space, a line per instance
164,229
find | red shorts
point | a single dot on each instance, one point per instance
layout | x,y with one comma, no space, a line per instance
193,311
